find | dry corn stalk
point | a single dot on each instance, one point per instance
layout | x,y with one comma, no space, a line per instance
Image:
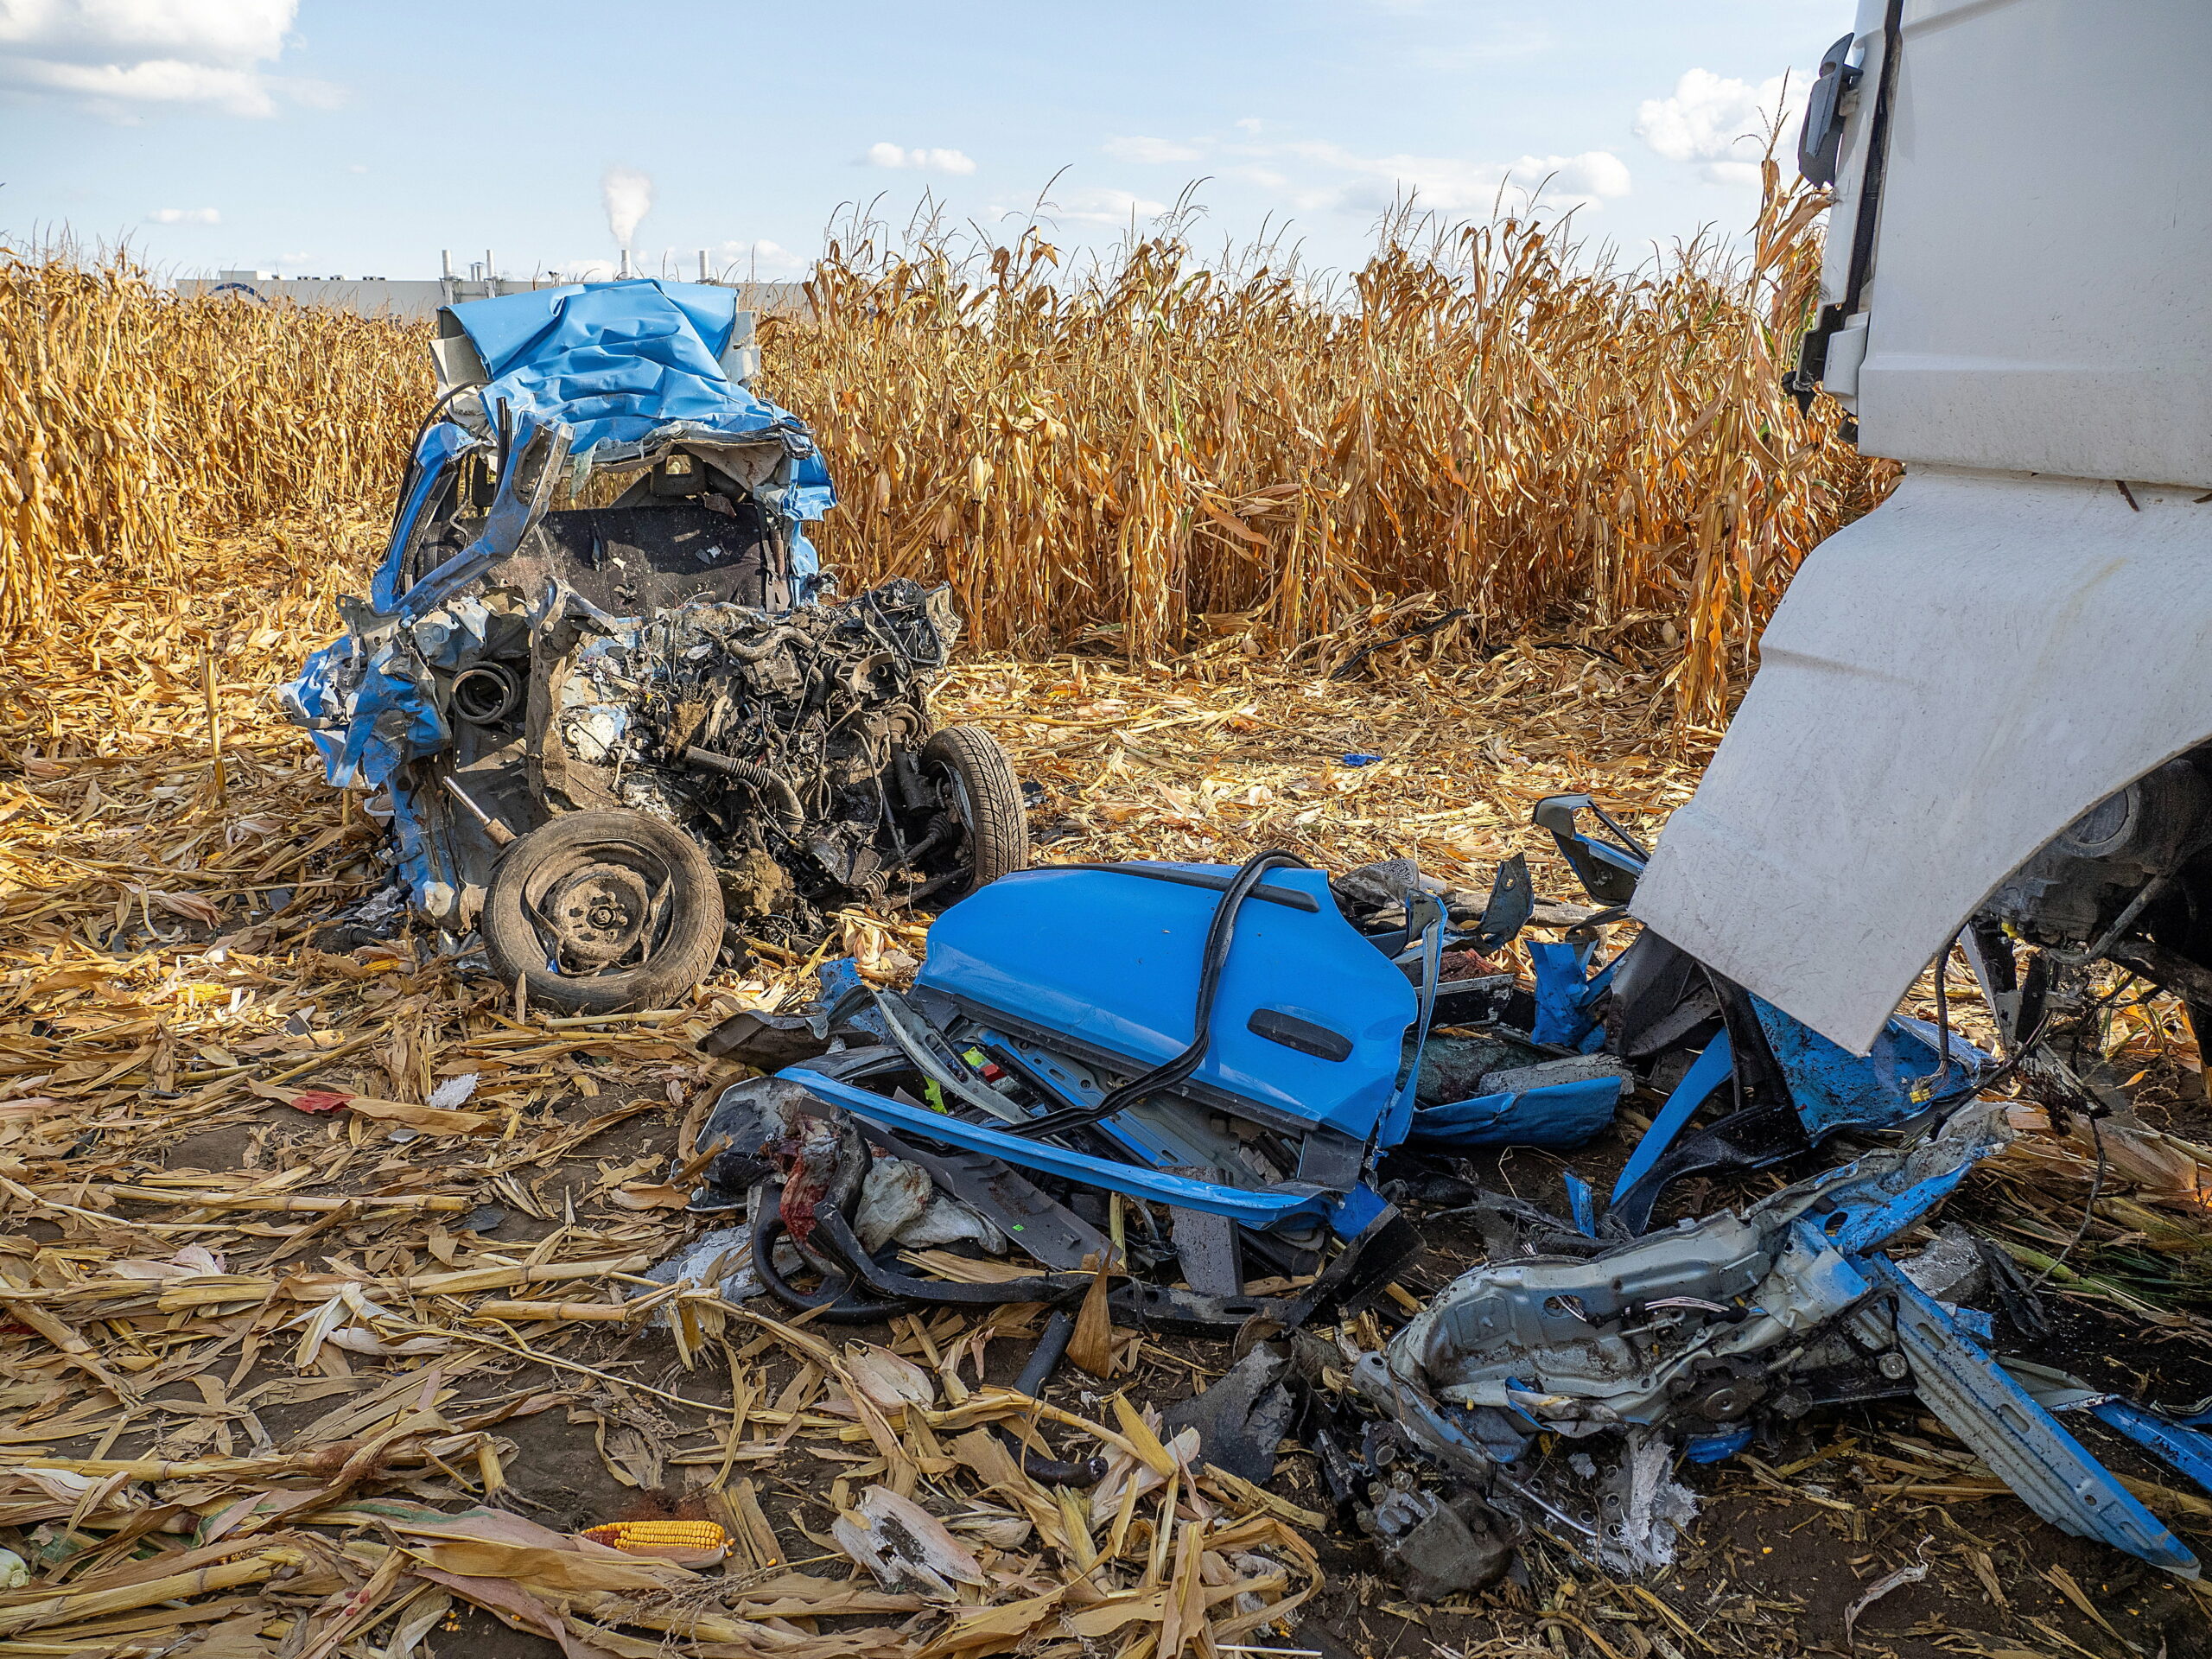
1486,414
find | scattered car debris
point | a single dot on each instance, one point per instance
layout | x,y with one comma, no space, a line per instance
1435,1548
600,687
1244,1415
1236,1068
1705,1328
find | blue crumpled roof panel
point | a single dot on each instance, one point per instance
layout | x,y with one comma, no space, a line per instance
617,361
616,364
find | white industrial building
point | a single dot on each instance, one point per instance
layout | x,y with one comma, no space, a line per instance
419,300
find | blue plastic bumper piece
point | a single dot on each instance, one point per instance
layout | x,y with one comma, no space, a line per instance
1716,1448
1834,1088
1581,1204
1282,1205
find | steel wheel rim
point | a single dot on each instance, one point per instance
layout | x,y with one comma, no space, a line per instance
603,910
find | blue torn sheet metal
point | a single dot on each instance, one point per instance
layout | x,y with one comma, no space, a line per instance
2187,1448
1588,1344
1557,1115
621,371
1829,1089
1272,1208
1990,1411
1712,1067
1567,995
1697,1331
1080,976
1835,1088
628,365
2178,1440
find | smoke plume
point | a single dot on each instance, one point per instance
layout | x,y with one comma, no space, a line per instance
629,197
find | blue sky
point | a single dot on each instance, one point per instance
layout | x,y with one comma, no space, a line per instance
322,138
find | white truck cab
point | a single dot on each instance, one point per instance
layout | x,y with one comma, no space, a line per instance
2017,306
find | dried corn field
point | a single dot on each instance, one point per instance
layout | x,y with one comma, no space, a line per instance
1486,415
1137,455
130,422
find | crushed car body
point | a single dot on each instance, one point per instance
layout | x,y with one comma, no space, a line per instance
1703,1328
1262,1067
602,683
1218,1040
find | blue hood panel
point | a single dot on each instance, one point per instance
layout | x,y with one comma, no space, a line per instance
1109,961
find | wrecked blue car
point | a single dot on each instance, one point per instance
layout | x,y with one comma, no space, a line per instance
602,687
1250,1045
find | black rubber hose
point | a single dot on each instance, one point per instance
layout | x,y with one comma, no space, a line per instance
1044,1359
834,1294
761,648
1215,958
1051,1346
833,1246
791,814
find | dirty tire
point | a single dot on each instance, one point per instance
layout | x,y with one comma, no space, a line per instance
598,911
995,822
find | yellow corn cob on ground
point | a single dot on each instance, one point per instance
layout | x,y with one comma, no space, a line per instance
655,1537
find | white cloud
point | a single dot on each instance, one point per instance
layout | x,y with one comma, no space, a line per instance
357,167
1454,184
762,261
1251,123
1149,150
1719,122
184,216
923,161
1103,205
122,56
628,197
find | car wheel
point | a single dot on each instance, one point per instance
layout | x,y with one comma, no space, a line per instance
975,782
597,911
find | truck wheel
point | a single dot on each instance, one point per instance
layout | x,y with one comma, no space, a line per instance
975,781
597,911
